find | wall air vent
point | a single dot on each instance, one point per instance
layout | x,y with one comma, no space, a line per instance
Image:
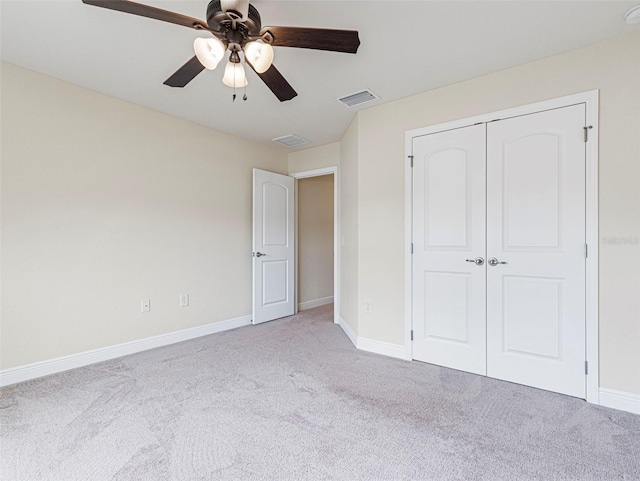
358,98
291,140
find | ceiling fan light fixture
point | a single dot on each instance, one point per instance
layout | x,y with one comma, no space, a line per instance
209,51
260,55
234,75
233,24
633,15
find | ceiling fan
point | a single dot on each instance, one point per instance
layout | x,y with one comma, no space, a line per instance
235,25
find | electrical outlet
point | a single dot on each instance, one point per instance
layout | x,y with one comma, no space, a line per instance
146,305
367,306
184,300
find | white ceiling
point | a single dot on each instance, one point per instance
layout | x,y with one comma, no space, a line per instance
406,47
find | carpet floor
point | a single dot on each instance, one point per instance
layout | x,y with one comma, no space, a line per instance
294,400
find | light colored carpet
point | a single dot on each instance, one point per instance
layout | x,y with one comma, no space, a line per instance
293,399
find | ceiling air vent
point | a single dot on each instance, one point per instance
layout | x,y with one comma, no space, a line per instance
358,98
291,140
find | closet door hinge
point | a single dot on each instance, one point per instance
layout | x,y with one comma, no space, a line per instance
412,247
411,157
412,334
586,367
586,251
586,132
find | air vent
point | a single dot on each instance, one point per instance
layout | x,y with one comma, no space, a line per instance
291,140
358,98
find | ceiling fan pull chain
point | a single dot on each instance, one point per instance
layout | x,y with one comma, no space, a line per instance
244,97
234,85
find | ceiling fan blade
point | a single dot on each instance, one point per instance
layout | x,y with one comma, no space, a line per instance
277,83
185,74
316,38
150,12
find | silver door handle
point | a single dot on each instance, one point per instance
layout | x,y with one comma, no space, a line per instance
477,261
258,254
494,262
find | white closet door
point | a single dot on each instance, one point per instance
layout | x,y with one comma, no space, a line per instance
448,232
536,231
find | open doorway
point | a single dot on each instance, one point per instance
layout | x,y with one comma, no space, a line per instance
316,239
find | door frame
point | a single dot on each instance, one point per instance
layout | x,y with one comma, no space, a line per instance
336,234
590,99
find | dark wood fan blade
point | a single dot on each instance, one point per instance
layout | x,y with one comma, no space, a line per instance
316,38
185,74
277,83
150,12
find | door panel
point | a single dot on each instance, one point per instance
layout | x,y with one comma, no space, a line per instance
536,230
531,188
273,246
275,210
446,314
448,229
274,282
446,201
532,329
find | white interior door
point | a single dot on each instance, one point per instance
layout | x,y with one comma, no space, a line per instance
273,246
448,236
536,231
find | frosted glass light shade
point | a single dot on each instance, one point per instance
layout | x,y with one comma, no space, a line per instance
209,51
633,15
260,55
234,75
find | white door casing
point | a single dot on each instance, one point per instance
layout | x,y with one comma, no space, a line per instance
536,224
336,229
448,235
273,246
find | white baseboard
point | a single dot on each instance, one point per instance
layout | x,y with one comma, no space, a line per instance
52,366
303,306
624,401
608,397
348,331
371,345
380,347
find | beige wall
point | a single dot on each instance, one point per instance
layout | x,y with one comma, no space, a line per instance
614,68
82,242
348,240
315,238
343,154
315,158
105,203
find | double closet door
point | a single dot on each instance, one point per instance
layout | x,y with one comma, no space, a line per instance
499,249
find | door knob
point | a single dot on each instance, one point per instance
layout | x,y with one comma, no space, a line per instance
494,262
259,254
477,261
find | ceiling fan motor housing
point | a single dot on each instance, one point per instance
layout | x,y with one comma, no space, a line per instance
220,21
